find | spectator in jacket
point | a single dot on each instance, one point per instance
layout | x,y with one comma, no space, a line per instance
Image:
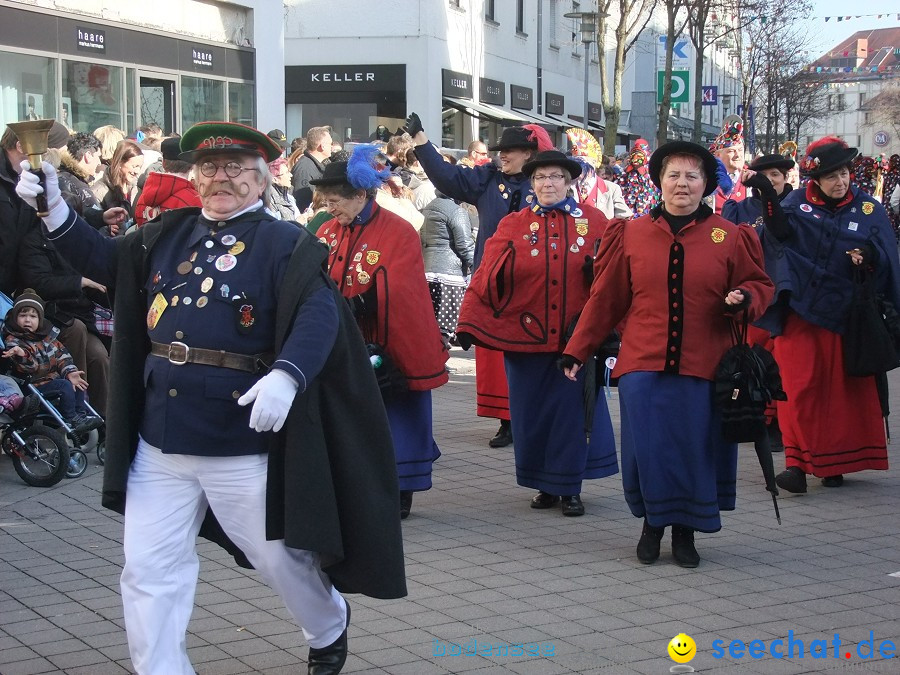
171,189
279,200
109,137
118,186
448,249
309,166
78,168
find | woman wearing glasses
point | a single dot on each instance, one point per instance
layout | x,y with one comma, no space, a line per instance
375,259
531,286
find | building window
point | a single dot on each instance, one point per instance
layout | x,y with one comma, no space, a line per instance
840,102
240,103
554,39
489,10
867,118
830,102
520,16
576,36
455,4
862,98
29,89
93,94
202,99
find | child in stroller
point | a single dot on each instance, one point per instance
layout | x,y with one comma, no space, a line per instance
35,353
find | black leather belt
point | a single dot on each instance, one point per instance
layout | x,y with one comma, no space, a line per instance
179,353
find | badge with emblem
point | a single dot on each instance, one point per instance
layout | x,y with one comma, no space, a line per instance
806,208
372,257
209,244
534,252
225,262
505,196
717,235
243,307
184,268
174,300
577,212
867,208
206,285
529,199
534,227
198,270
580,241
363,277
348,280
323,240
229,240
210,257
574,248
201,301
238,248
501,186
581,228
157,307
224,290
358,256
193,256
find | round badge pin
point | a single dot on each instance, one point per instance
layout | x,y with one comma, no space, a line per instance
209,244
225,262
238,248
534,252
229,240
580,241
202,300
186,301
806,208
198,270
184,268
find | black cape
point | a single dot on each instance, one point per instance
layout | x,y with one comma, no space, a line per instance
332,481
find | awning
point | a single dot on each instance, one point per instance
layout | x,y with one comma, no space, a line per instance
545,120
570,121
485,110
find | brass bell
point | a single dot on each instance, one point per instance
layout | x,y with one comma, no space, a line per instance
33,137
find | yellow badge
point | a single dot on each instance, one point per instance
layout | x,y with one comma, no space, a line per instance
157,307
237,249
372,258
534,227
363,277
581,229
717,235
867,208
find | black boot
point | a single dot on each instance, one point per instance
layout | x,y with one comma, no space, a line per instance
833,481
648,544
683,546
792,479
503,437
329,660
405,503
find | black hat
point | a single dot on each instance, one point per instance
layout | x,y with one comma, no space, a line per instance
826,155
278,136
335,174
170,148
710,166
552,158
772,162
515,137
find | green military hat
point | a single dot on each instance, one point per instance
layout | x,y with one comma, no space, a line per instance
208,138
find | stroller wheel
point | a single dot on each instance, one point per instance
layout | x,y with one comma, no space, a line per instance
101,452
77,464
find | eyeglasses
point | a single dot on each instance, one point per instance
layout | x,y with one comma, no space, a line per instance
232,169
553,178
331,203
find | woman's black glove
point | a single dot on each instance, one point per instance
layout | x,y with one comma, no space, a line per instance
744,304
464,340
413,124
364,304
567,361
588,269
761,184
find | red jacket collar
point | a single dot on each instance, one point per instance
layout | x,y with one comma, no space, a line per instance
814,196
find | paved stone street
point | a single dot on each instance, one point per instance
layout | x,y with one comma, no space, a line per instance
530,591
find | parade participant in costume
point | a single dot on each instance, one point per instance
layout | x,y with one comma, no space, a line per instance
522,301
375,259
495,192
749,210
831,423
637,188
788,149
679,278
294,469
864,172
729,148
891,193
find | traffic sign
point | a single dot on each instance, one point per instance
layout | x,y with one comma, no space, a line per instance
681,86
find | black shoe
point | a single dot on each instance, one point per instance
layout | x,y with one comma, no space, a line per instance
776,444
792,479
329,660
503,437
572,506
683,547
81,423
405,503
833,481
648,544
543,500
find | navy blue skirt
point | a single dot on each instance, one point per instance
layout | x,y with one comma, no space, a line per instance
676,467
409,416
547,412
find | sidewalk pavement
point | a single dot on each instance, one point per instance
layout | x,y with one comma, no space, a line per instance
528,591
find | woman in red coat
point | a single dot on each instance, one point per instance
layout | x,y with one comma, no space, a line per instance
531,285
678,278
375,258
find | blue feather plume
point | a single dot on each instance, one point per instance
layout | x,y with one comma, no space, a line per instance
723,178
361,168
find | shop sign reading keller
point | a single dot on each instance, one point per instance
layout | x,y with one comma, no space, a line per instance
90,40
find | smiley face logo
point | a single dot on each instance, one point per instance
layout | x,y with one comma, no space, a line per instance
682,648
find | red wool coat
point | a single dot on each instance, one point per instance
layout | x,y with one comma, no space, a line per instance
385,253
670,289
530,284
738,193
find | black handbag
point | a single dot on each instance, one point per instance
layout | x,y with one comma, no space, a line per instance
390,379
868,345
747,381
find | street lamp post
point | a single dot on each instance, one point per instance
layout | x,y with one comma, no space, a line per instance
588,29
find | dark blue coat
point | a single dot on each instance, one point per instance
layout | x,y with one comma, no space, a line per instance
749,210
192,409
811,269
492,192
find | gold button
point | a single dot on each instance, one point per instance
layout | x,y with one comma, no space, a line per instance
173,392
179,334
235,394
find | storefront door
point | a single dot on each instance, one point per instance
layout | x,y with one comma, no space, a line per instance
157,96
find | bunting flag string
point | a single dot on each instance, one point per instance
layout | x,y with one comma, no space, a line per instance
852,69
884,15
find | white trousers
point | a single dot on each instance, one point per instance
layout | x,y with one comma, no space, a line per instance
167,499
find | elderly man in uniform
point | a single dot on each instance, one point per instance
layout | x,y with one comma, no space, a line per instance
293,471
728,147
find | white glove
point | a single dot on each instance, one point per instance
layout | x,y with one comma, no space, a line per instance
274,395
29,187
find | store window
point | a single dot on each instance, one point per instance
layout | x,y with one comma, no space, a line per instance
29,88
451,128
240,103
92,93
130,100
202,100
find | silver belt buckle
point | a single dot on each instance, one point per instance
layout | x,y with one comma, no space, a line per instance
172,359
